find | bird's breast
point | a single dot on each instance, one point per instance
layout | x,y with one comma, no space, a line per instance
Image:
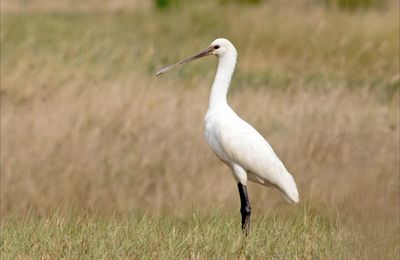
213,137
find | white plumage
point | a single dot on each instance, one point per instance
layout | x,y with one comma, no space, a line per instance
236,142
246,152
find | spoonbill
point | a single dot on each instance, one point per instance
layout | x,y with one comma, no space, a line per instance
236,142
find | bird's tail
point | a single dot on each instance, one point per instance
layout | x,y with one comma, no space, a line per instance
289,189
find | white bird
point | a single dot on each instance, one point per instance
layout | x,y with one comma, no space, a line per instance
236,142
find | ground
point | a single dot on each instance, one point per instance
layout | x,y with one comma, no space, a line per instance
101,158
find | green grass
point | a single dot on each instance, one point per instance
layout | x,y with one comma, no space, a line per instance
355,50
86,125
304,235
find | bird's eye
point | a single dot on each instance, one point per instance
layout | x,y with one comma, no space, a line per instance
216,47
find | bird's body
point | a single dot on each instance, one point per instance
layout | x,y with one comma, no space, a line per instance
236,142
246,152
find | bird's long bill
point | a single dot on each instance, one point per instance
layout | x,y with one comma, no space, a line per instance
201,54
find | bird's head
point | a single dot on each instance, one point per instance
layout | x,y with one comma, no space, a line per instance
222,46
219,47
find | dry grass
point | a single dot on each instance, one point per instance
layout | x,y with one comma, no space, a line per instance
86,126
151,155
73,5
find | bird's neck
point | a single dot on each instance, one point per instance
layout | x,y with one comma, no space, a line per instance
219,90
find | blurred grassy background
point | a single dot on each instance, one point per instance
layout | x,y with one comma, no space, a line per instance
87,128
85,125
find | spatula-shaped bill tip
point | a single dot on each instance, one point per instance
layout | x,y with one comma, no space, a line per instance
166,69
201,54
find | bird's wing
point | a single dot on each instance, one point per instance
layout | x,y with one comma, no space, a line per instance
246,147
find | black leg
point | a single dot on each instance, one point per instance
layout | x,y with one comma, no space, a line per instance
245,208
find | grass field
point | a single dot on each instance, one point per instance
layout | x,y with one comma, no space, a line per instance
99,158
305,235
